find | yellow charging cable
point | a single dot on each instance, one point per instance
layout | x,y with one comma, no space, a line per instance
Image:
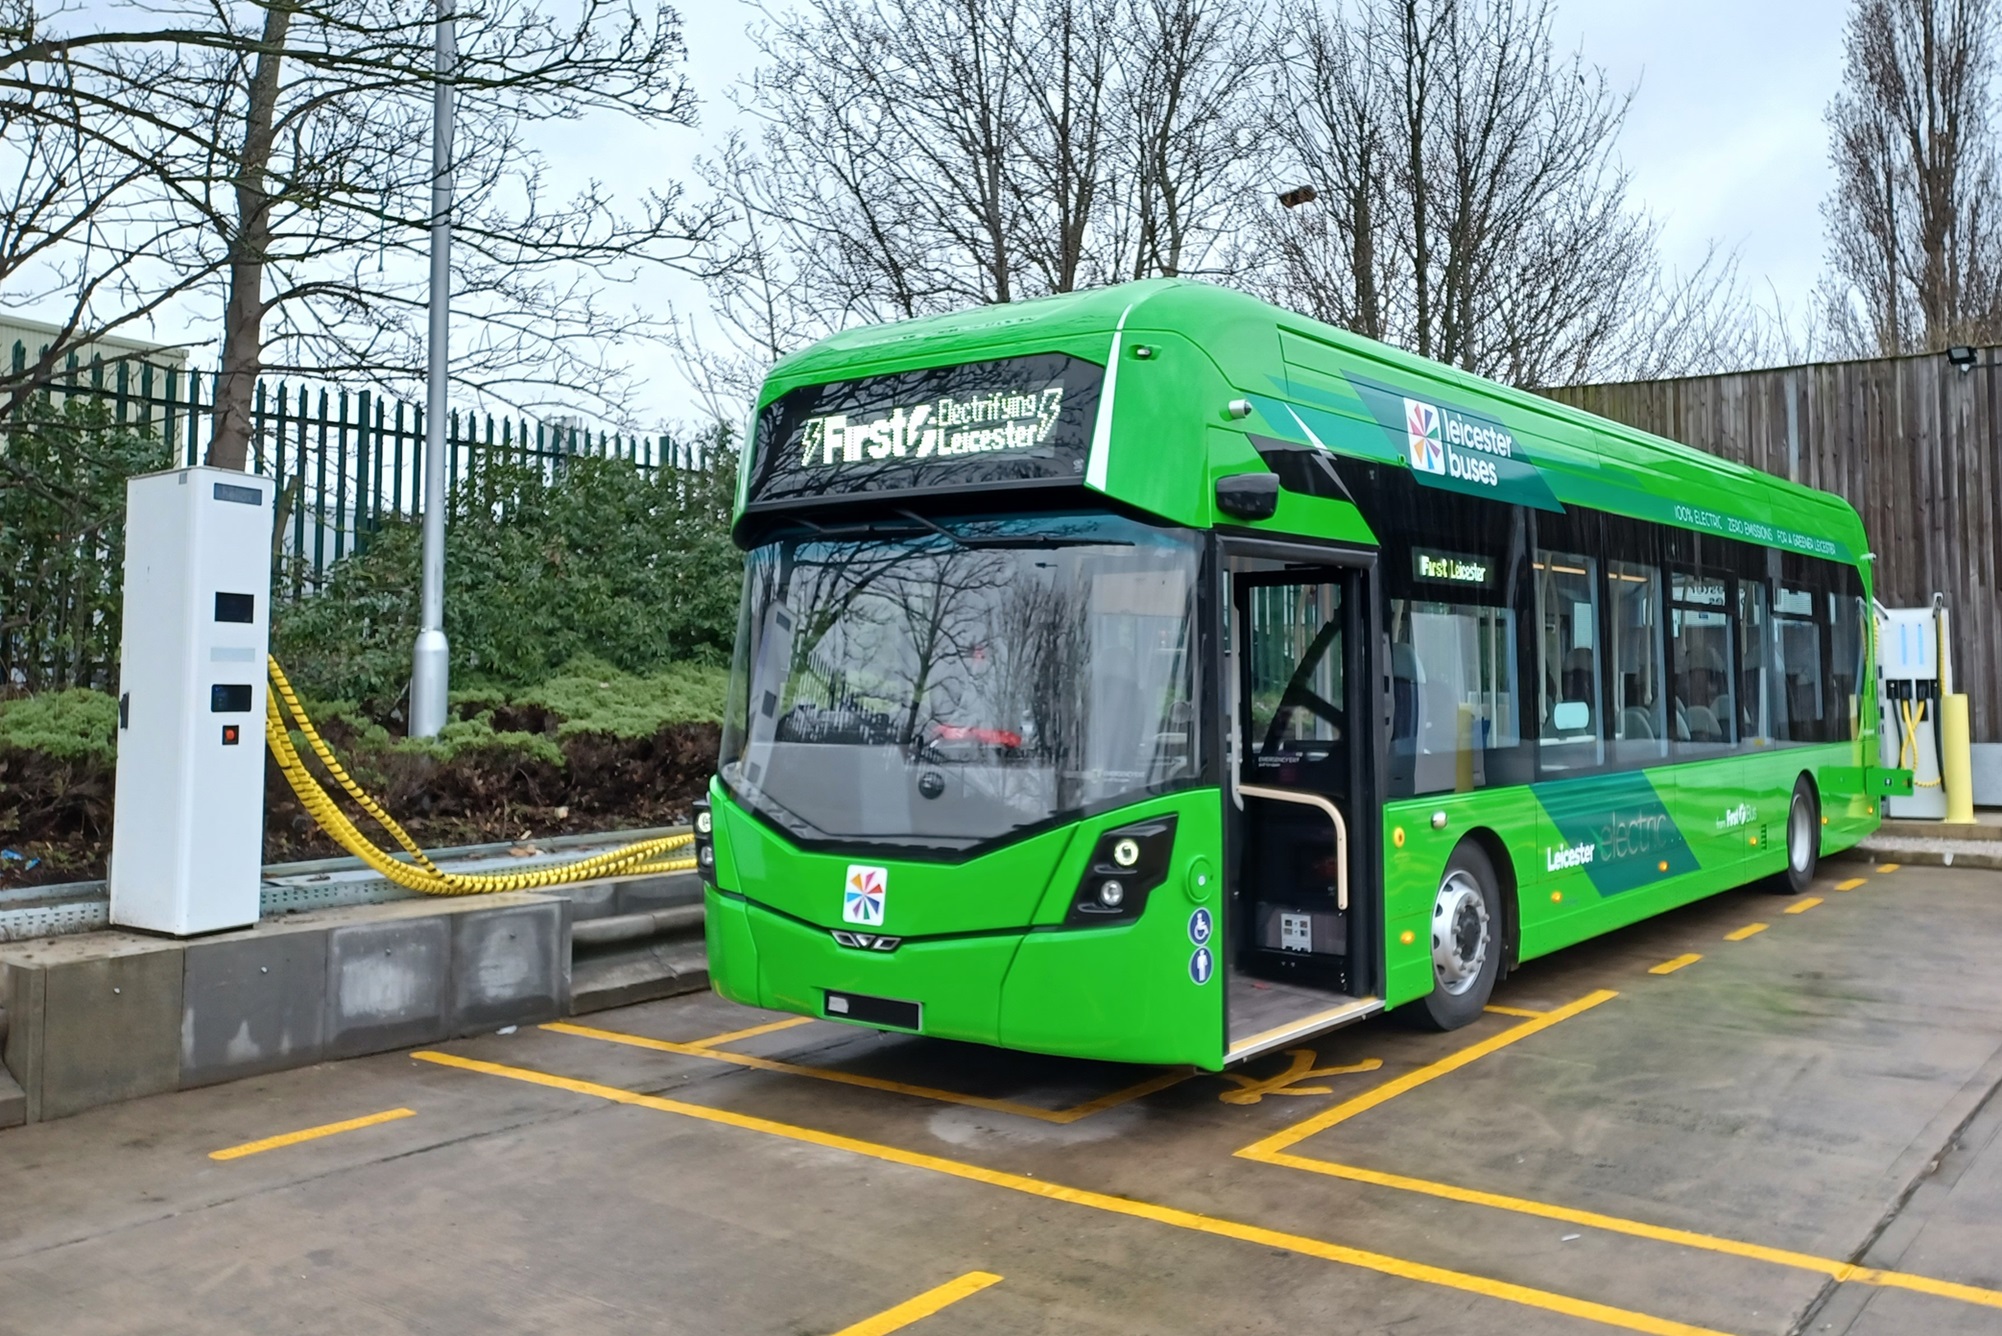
419,873
1912,719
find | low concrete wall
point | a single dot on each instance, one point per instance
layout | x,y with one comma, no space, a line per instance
106,1016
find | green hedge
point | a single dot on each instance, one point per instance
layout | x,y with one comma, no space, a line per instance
631,570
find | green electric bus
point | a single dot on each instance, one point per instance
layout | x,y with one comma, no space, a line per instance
1151,674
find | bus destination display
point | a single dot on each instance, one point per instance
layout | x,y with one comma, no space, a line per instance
1023,420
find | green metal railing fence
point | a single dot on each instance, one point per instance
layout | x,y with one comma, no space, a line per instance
344,461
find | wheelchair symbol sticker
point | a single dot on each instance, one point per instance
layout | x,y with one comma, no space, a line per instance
1199,927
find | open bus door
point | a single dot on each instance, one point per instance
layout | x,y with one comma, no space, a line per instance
1301,910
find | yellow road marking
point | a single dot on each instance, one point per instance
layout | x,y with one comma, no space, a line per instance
752,1033
1252,1090
309,1134
1671,966
1749,930
1381,1263
1802,906
1510,1011
1390,1090
1173,1076
924,1305
1889,867
1840,1271
1851,884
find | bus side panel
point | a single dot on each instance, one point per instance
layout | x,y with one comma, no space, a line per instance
1618,848
1138,992
1415,857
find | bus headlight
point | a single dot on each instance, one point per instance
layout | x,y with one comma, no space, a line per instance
704,823
1126,863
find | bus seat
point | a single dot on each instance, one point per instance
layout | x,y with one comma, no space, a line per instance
1702,724
1635,722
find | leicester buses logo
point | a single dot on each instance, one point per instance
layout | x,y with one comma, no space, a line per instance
1428,438
862,900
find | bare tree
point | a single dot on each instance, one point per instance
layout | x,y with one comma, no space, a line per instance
293,158
74,243
1472,209
1023,147
1915,221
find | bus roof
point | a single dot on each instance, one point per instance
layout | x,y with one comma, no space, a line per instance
1311,383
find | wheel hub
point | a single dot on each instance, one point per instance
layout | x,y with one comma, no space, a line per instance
1800,834
1460,935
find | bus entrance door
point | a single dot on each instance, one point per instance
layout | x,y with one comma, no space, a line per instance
1291,935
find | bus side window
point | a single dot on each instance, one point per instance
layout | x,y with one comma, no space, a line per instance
1639,708
1567,615
1700,624
1754,716
1798,705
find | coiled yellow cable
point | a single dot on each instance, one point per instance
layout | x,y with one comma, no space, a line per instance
1913,719
420,873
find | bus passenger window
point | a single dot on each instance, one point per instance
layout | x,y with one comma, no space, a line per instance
1452,692
1700,625
1797,706
1567,614
1639,710
1754,712
1841,721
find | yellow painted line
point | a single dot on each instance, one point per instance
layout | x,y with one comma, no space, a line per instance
910,1310
1391,1089
1099,1105
1749,930
1217,1227
1889,867
752,1033
1511,1011
309,1134
1802,906
1827,1266
1851,884
1671,966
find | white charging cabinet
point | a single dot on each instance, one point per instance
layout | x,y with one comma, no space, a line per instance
187,832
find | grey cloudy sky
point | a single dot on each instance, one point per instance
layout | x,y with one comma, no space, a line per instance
1724,139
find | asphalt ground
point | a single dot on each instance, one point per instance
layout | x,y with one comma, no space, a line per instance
1696,1125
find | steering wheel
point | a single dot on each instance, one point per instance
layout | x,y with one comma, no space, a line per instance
1295,697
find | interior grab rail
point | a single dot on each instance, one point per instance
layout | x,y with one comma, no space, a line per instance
1334,815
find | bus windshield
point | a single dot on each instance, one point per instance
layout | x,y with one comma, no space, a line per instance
940,684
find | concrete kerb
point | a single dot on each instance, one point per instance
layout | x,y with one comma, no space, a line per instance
99,1017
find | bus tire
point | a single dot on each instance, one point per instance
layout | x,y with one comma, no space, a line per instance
1466,939
1803,840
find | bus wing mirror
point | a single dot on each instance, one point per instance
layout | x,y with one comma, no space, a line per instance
1248,496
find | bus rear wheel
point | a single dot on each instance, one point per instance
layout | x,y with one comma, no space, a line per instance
1803,840
1466,939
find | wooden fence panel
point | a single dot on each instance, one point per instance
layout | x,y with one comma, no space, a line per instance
1914,443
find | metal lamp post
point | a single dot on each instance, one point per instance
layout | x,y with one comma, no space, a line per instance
430,675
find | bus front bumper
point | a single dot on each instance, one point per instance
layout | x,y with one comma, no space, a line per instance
1082,993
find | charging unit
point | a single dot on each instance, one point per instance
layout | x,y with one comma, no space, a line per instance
187,831
1910,691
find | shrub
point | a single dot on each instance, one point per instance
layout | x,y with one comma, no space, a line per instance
63,468
607,562
74,725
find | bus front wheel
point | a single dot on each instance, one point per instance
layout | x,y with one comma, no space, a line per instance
1466,939
1803,840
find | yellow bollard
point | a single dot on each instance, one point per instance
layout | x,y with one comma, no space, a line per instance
1957,766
